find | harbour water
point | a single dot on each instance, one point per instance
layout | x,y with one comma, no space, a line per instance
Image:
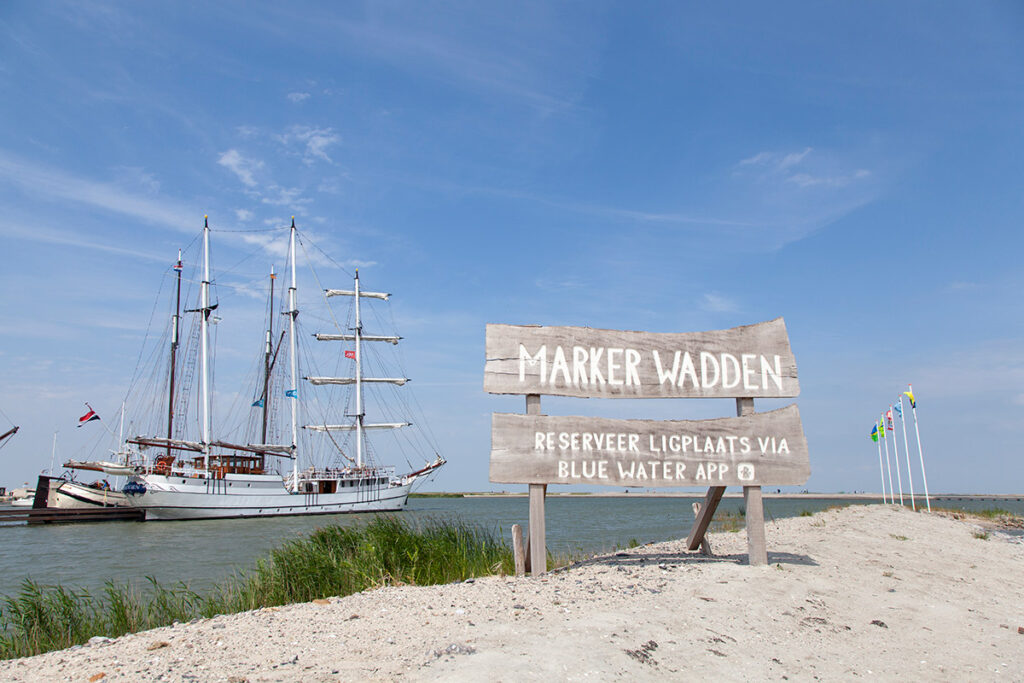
202,553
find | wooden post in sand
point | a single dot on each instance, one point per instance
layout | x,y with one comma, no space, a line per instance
757,552
518,551
538,547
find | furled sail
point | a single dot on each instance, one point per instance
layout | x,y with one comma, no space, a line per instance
353,427
362,294
352,337
352,380
161,442
104,466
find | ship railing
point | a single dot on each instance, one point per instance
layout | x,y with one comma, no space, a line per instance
346,473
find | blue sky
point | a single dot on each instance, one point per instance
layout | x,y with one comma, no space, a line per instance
852,167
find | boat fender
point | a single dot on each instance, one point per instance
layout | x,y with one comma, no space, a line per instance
133,488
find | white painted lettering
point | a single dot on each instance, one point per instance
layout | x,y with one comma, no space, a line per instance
595,366
708,363
525,357
666,376
613,365
749,372
768,371
729,361
560,366
579,366
632,361
688,370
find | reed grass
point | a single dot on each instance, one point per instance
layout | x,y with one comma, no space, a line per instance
332,561
993,513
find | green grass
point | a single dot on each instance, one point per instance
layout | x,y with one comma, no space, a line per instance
987,513
728,520
333,561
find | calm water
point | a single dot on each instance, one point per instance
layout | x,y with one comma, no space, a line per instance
205,552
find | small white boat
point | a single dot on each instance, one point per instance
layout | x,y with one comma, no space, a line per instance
74,495
24,501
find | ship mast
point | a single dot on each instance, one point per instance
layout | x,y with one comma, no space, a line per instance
359,378
204,334
292,314
267,352
174,354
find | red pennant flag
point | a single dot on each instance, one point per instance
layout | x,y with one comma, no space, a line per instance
88,417
350,354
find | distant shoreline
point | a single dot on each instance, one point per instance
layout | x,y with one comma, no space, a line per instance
700,494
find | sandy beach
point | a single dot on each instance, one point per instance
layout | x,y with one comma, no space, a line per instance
864,591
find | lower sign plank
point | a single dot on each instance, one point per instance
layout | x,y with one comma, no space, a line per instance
762,449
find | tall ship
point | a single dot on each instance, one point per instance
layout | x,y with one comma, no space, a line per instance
321,465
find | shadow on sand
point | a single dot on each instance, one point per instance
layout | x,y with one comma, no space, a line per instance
641,559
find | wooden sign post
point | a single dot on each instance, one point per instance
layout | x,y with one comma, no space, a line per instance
750,450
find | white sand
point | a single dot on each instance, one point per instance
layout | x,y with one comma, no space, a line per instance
946,605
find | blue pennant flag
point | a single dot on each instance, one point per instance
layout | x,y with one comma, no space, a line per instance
291,393
258,403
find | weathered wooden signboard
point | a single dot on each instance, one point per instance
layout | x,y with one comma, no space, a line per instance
750,450
757,449
752,361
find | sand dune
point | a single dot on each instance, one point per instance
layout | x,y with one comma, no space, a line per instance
865,591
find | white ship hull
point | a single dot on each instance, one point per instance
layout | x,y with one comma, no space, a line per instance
169,497
69,495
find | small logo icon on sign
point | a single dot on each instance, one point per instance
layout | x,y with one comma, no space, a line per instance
745,471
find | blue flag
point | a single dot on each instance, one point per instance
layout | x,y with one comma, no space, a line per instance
291,393
896,407
258,403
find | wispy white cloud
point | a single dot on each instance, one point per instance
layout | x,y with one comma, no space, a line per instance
808,180
718,303
796,168
313,142
757,159
795,193
54,184
525,54
275,195
298,97
241,166
793,158
48,235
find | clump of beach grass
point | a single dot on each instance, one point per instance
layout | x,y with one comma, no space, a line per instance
332,561
728,521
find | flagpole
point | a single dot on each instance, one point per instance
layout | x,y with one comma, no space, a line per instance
906,449
920,453
881,469
888,463
896,452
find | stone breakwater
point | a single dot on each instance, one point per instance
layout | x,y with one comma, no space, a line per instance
862,591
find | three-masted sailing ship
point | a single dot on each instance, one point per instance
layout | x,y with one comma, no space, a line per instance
212,478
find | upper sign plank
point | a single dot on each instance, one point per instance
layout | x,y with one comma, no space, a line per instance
748,361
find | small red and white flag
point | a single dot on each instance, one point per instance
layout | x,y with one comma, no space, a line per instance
88,417
350,354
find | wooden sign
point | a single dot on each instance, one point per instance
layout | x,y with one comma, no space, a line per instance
752,361
754,450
